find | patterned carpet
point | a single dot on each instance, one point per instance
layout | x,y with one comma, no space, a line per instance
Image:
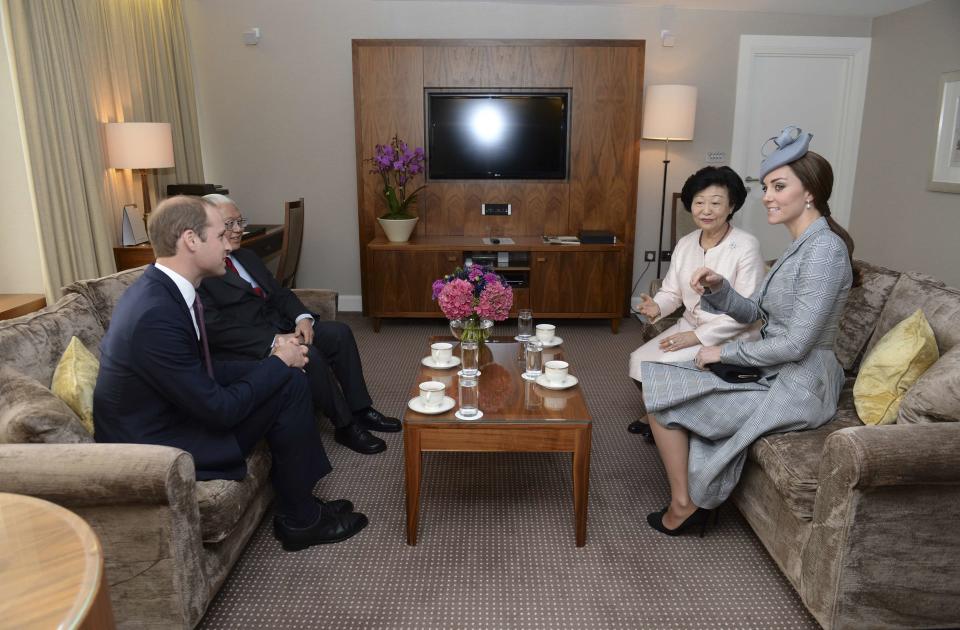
496,547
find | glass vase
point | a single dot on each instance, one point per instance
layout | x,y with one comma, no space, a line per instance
471,329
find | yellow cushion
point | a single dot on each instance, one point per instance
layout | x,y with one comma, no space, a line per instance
892,367
74,380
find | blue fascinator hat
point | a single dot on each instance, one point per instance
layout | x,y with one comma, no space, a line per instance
791,145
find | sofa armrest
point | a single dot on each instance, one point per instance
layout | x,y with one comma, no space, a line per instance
323,302
883,542
98,474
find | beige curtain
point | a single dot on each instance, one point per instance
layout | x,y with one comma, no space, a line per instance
82,63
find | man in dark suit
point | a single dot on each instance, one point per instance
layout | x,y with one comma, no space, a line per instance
158,385
247,312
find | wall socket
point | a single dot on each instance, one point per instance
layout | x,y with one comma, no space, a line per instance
650,256
713,157
666,255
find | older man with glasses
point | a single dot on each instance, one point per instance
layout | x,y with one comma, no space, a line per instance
247,313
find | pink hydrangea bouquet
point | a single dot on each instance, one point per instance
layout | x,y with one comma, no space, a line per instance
472,299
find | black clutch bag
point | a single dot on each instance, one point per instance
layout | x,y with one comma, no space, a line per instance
735,373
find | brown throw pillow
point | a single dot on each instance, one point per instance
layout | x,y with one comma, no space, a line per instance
29,412
936,396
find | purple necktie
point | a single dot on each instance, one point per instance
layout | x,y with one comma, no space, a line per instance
198,313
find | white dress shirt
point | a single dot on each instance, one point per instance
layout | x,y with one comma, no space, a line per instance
188,291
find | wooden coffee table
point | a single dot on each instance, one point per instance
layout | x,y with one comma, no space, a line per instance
519,416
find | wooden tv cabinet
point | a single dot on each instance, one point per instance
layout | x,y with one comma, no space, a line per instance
562,281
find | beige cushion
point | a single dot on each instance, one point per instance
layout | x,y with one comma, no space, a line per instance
936,396
34,343
74,381
29,412
940,305
897,361
103,293
222,502
792,460
862,312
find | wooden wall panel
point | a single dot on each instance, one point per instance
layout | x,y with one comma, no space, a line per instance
454,208
497,66
605,139
388,100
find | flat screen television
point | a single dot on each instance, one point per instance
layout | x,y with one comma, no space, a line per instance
497,135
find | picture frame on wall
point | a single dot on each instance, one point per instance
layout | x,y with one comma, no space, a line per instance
945,171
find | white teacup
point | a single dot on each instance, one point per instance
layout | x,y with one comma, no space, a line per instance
431,393
442,352
545,332
556,371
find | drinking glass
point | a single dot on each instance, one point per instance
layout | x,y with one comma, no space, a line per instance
534,358
524,324
469,397
470,357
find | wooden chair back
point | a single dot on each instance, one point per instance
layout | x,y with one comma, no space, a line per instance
292,243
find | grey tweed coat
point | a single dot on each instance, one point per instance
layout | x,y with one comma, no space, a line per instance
800,302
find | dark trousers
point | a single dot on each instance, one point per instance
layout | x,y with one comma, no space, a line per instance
286,421
335,373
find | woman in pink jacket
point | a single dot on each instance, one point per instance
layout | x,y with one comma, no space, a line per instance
712,195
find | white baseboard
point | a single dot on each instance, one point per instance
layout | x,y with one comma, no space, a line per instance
350,303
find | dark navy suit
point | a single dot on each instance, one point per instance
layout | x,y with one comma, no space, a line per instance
153,388
241,325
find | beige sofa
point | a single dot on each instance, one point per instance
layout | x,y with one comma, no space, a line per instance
864,520
169,541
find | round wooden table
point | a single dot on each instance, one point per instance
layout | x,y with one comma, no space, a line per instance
51,568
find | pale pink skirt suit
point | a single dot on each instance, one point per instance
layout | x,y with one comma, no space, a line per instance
737,258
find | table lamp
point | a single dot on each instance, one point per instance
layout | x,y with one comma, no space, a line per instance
140,146
669,112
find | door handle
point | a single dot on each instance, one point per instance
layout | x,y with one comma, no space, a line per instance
451,259
541,260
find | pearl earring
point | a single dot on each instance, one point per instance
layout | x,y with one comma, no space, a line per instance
807,206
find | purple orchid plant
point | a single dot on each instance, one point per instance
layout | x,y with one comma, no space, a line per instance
397,163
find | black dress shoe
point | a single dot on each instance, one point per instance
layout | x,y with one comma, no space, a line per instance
642,429
328,528
337,506
373,420
359,440
700,518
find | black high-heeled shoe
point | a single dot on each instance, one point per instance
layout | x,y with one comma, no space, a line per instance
700,516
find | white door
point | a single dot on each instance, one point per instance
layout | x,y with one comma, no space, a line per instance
815,83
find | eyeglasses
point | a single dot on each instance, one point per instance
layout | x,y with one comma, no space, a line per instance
233,224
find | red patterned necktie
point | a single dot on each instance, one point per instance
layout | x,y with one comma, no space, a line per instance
198,313
229,262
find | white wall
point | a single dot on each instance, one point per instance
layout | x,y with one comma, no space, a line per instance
277,119
897,222
20,270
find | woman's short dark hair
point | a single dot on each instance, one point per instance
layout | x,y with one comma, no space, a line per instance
722,176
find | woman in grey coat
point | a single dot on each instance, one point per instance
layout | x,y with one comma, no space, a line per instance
704,425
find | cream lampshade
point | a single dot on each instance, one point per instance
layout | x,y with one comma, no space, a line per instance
669,113
139,146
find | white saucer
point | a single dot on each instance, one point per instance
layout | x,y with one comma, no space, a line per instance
476,417
461,374
447,404
567,383
553,343
429,362
529,377
517,338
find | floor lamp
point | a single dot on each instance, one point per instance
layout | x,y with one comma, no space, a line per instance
669,112
140,146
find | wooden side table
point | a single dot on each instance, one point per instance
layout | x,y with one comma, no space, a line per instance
51,568
17,304
265,244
